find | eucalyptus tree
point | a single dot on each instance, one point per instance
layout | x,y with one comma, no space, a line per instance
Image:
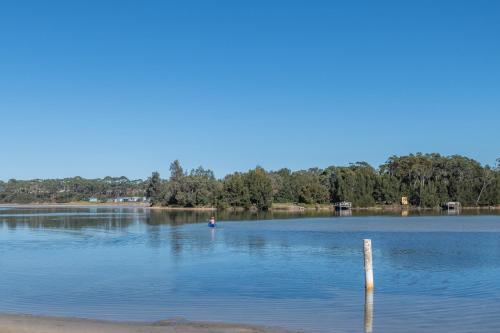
235,192
259,187
153,190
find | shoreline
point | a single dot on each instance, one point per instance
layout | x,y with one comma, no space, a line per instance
101,205
276,207
22,323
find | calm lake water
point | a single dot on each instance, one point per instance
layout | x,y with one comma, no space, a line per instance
432,273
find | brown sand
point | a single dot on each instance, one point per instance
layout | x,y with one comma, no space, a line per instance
38,324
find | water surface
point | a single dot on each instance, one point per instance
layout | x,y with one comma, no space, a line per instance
432,273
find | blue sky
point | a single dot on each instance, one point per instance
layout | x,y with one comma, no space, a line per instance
96,88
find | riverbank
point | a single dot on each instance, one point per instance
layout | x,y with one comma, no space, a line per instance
76,205
85,204
40,324
277,207
389,208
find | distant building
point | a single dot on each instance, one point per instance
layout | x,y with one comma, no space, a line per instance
453,205
93,200
343,205
131,199
404,201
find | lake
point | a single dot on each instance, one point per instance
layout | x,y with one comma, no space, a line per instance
432,273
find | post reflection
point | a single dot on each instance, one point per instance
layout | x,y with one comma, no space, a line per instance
212,235
368,311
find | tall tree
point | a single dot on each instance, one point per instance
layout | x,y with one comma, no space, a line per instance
176,171
235,193
153,190
260,188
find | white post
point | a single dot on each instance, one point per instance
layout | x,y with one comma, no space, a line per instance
368,264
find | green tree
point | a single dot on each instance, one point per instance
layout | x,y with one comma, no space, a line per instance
176,171
283,189
153,190
355,183
176,192
260,188
487,192
308,187
199,188
235,193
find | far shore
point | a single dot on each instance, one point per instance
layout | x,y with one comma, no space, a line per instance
84,204
277,207
41,324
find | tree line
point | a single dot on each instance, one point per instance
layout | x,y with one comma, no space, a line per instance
69,189
428,180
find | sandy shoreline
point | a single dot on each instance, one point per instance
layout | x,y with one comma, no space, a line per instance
40,324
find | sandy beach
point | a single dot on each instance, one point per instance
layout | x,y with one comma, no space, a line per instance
38,324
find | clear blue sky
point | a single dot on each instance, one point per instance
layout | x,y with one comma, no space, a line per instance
96,88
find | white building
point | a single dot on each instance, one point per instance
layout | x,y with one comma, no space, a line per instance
131,199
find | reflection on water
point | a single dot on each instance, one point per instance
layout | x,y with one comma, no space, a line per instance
344,212
73,218
303,271
368,311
